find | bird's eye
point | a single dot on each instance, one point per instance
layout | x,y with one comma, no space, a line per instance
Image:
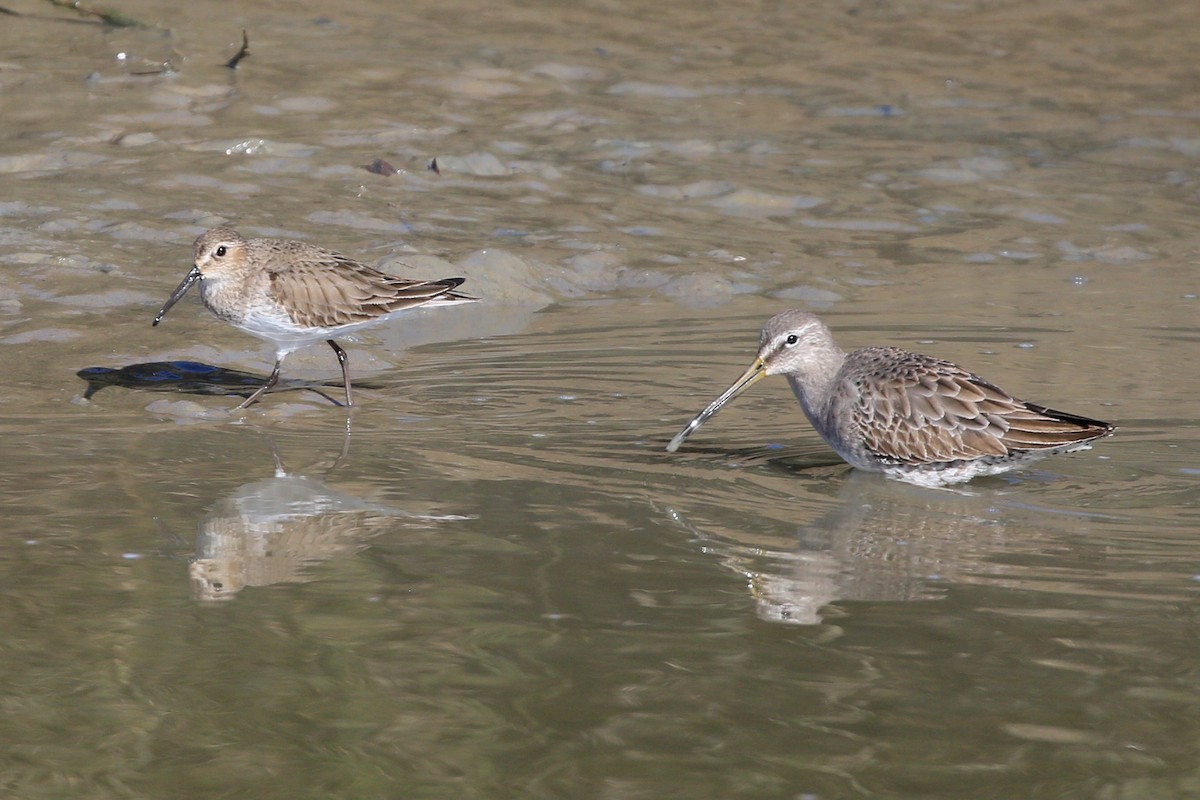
220,251
791,339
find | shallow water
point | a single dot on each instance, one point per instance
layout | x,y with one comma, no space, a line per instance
490,580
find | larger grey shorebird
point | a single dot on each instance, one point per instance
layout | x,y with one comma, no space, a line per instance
294,294
910,416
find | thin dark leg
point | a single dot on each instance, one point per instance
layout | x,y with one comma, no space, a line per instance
345,362
271,381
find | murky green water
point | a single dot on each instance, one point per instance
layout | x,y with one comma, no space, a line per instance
490,580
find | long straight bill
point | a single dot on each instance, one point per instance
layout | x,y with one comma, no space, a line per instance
750,377
180,290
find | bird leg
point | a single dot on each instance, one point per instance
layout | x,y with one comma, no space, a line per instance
271,381
343,359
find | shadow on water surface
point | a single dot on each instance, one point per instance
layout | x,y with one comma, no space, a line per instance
193,377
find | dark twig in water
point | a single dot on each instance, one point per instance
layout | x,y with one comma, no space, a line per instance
106,16
245,51
166,68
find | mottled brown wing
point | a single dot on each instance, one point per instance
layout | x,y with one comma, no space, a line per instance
915,409
327,289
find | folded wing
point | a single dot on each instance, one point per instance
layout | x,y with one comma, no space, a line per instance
915,409
329,289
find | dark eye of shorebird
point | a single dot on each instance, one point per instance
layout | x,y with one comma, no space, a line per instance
791,339
220,251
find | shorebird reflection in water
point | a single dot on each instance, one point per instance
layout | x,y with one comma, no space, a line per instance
294,294
907,415
271,531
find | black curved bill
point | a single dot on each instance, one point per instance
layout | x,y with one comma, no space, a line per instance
180,290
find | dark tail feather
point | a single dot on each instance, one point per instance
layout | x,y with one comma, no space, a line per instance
1046,428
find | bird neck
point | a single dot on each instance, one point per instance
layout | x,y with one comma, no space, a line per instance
813,379
224,296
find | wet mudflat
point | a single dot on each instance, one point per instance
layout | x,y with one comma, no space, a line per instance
489,579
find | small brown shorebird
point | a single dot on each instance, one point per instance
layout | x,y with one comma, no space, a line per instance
293,294
907,415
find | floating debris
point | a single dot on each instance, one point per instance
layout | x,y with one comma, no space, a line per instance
380,167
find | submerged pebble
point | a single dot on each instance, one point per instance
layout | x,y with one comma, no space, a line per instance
700,289
690,191
667,91
360,221
818,298
478,84
480,164
42,335
503,277
187,411
755,203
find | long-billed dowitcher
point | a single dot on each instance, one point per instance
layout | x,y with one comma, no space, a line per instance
293,294
910,416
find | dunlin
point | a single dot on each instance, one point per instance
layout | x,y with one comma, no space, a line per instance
910,416
293,294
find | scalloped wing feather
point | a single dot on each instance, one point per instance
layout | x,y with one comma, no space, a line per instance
326,289
914,409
